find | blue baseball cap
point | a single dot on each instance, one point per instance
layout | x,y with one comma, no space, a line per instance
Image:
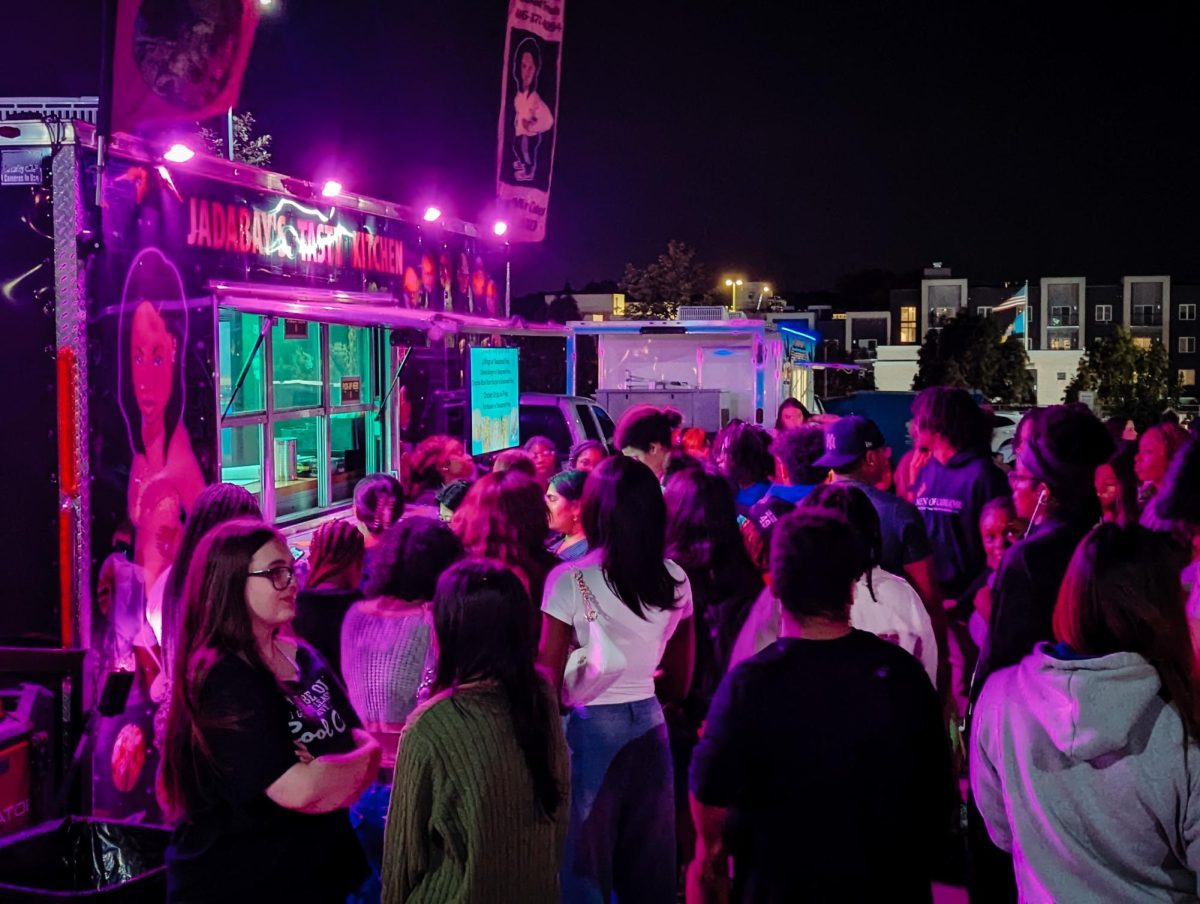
848,439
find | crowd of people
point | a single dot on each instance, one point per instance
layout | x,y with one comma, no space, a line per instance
770,665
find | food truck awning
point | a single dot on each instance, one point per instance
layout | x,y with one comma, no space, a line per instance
370,309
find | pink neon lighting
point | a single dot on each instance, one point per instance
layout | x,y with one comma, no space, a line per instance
179,153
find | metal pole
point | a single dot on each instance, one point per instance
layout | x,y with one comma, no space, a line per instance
229,131
507,282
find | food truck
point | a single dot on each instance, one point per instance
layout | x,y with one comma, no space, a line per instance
173,324
712,371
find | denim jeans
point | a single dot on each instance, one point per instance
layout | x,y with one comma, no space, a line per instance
621,839
368,816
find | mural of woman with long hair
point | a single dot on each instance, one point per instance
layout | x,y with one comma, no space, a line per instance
164,475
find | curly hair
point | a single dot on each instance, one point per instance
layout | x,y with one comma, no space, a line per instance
426,461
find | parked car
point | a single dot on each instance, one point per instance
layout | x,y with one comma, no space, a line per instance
565,419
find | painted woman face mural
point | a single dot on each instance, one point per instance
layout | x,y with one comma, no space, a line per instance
154,350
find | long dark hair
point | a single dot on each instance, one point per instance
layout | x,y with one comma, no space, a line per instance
216,623
216,504
790,402
1122,467
624,517
702,534
481,621
1121,594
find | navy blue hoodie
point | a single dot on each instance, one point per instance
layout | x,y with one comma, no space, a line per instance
950,497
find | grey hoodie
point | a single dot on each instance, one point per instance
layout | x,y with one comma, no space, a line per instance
1080,770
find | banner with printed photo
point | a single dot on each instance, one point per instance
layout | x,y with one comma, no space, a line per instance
529,115
176,61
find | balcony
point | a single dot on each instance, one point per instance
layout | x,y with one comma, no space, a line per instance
1146,318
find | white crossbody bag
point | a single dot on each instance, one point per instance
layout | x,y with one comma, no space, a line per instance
594,666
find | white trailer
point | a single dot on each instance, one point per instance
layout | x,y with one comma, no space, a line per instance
714,371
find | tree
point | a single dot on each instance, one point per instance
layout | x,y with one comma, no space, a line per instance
656,291
247,148
1129,382
972,352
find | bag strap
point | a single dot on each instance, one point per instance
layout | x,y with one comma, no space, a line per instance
589,598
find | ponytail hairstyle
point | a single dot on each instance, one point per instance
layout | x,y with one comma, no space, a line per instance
378,502
484,633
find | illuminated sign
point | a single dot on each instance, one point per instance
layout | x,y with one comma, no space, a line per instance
291,231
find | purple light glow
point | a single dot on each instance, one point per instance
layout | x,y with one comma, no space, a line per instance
432,214
500,228
179,153
332,189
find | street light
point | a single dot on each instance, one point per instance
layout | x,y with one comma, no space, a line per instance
733,287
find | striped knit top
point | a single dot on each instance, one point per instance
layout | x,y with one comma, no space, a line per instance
464,824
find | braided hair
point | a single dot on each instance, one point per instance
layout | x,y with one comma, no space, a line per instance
336,548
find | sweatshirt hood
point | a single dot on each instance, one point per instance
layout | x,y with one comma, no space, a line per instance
1087,707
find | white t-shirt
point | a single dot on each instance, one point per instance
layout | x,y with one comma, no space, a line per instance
897,615
641,640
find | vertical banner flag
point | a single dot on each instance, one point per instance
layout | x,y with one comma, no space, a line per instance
178,59
528,111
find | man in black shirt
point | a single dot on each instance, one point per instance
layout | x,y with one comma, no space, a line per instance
824,769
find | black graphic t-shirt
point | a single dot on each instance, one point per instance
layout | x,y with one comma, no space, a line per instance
241,845
321,716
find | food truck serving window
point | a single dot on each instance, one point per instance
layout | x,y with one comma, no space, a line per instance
300,431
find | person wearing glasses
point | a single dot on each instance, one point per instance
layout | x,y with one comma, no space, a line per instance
263,751
1053,489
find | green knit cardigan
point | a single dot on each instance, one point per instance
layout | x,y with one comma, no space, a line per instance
464,824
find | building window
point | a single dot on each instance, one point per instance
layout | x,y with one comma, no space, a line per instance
1063,315
1067,342
1062,374
1146,300
984,310
840,316
1142,342
1187,345
1187,312
908,323
1104,313
1187,377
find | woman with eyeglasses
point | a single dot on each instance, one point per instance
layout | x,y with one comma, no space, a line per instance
263,751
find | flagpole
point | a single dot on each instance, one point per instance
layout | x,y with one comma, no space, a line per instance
1027,317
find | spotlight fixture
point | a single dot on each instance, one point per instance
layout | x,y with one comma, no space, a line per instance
500,227
179,153
432,214
332,189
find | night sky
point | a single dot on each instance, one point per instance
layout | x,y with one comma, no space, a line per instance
1010,141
